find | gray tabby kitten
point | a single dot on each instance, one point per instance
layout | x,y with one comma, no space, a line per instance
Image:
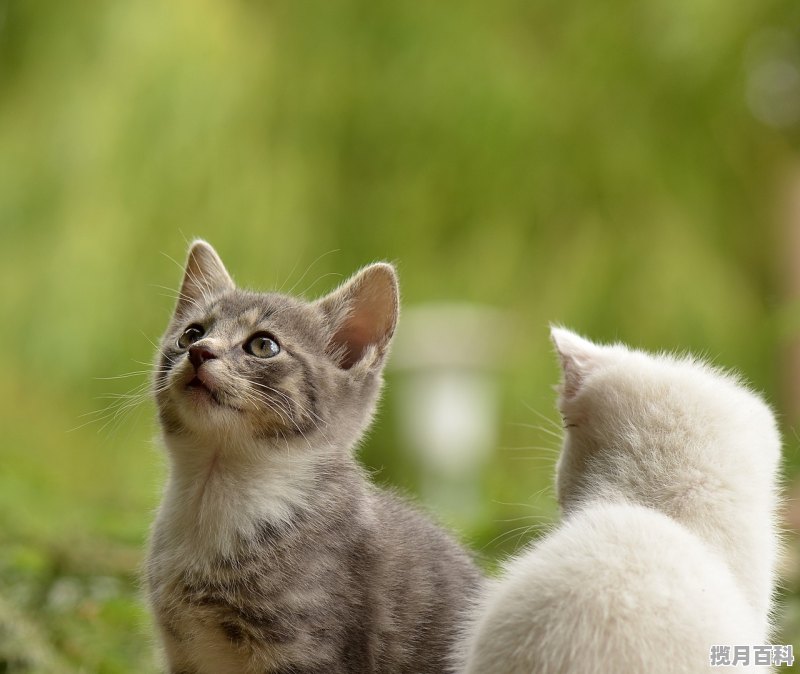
271,551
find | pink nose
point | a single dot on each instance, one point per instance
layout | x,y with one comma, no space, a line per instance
200,354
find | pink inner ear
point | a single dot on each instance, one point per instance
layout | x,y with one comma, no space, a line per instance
370,318
355,336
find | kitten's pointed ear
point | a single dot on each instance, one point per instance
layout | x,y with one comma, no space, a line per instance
578,358
363,314
204,276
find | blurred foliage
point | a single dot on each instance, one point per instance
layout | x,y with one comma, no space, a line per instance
611,166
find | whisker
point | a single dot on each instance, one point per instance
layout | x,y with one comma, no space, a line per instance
548,460
557,426
137,373
291,418
318,279
539,428
539,448
501,538
308,269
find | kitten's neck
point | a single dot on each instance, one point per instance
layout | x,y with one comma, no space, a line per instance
220,496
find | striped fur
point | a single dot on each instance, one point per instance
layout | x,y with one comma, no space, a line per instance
271,551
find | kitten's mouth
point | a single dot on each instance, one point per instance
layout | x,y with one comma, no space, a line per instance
197,384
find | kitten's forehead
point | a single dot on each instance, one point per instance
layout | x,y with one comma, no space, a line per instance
241,305
245,310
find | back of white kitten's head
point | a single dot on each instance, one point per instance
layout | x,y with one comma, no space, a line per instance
669,432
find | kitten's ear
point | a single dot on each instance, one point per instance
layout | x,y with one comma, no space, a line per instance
578,358
363,314
204,276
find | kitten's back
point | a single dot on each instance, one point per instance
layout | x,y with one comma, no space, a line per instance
617,588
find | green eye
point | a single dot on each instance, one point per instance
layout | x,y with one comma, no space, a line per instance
190,336
262,346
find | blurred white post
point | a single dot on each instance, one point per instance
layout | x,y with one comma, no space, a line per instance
448,357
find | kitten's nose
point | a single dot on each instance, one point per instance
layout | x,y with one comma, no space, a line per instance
199,354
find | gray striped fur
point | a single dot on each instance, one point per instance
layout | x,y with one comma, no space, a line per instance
271,551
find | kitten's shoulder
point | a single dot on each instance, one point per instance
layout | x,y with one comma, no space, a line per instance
399,511
410,527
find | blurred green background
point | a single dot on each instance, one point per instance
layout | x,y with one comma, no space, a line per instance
629,169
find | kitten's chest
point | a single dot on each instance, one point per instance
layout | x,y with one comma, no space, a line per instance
250,585
289,599
247,618
196,640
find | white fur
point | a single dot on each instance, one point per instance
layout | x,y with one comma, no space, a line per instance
214,497
668,484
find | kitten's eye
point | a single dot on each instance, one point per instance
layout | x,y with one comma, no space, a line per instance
263,346
190,336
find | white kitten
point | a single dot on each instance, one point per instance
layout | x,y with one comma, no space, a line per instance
668,485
